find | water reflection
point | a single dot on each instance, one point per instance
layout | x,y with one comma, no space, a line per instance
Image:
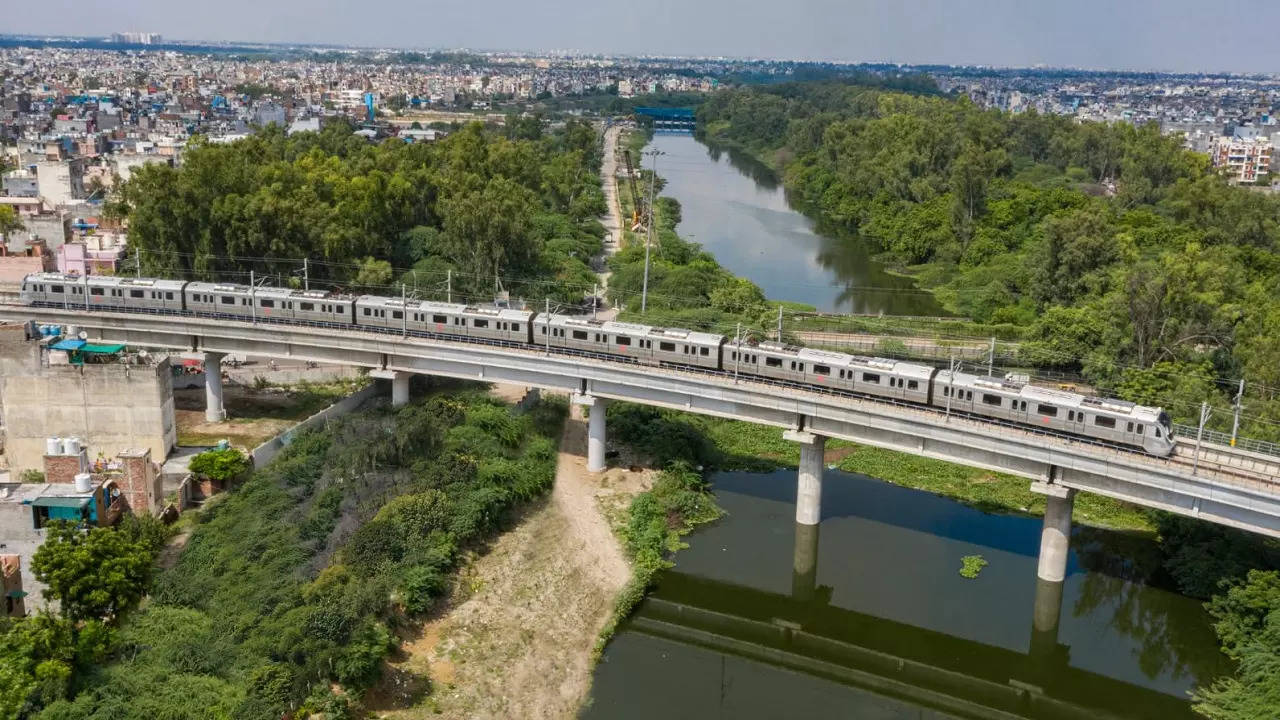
881,605
736,208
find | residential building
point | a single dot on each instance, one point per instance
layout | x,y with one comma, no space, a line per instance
60,181
1243,160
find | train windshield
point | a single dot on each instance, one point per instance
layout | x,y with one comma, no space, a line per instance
1166,424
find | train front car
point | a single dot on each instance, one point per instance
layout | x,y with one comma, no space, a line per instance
52,289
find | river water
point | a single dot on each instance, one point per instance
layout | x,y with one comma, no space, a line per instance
887,628
884,626
736,209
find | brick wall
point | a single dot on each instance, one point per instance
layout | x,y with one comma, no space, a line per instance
64,468
140,482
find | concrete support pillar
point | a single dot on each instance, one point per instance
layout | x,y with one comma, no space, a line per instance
400,389
596,408
809,487
804,575
213,408
1055,536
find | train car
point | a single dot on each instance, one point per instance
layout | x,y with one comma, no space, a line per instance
1112,421
219,299
103,292
489,323
48,288
684,347
892,379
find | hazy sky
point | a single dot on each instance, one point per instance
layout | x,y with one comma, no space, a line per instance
1145,34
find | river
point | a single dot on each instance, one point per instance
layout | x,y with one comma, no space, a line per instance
887,628
734,206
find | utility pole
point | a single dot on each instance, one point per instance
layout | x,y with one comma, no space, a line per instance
449,286
951,384
306,278
404,313
737,359
653,179
1235,420
991,356
595,295
779,323
547,327
1205,411
253,299
137,263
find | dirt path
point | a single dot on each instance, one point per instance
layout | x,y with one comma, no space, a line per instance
517,638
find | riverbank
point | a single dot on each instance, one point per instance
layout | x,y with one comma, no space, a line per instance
517,634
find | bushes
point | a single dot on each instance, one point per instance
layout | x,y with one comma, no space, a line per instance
221,466
254,622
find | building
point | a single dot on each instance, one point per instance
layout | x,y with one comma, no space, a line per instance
90,494
60,181
43,395
1243,160
137,38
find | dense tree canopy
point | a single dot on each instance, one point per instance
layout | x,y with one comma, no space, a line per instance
477,202
1112,245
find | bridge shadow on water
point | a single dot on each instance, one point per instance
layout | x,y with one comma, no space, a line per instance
880,624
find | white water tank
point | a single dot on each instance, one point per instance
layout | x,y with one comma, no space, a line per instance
84,482
53,446
70,446
73,331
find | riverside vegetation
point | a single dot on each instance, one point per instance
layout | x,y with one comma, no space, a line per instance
285,598
1111,249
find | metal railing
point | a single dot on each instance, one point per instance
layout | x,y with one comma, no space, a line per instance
1217,437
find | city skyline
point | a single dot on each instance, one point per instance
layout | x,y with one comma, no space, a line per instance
1142,35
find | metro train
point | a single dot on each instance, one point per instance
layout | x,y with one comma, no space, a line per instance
1115,422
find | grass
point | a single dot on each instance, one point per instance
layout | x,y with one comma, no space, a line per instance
971,565
262,412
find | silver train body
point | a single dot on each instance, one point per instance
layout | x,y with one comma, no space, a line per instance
1114,422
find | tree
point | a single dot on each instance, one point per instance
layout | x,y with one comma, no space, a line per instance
9,221
95,574
1247,620
373,273
221,466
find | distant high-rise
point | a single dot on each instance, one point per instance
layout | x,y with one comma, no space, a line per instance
137,38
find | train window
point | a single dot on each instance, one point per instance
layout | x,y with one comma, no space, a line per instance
989,399
397,315
666,346
479,323
871,378
705,352
133,293
620,339
228,300
95,291
1130,428
57,288
913,385
366,312
968,395
1047,410
442,320
579,335
773,362
821,370
1104,421
306,306
946,392
267,303
1071,415
515,327
1158,435
1140,427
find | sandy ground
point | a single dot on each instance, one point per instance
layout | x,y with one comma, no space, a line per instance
516,638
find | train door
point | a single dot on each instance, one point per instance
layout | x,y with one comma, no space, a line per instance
1018,410
1075,422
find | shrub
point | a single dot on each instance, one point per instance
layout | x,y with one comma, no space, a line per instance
220,465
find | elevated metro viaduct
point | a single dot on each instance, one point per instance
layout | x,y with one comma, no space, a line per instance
1230,487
